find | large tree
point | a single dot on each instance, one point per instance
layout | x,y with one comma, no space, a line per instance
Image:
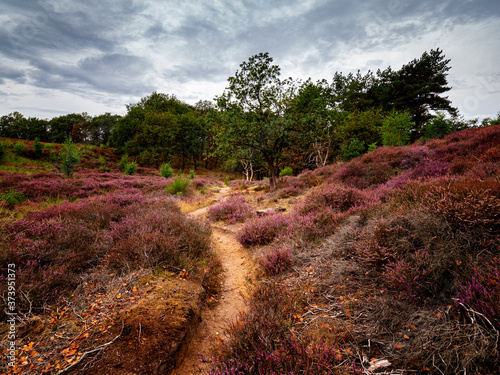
253,112
417,88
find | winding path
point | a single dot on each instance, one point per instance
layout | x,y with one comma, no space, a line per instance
238,269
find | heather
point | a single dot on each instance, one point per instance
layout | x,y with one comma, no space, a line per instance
231,210
396,253
269,339
52,248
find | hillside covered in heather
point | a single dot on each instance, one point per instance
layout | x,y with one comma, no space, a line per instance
387,262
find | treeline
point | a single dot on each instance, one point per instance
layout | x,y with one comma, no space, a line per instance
262,123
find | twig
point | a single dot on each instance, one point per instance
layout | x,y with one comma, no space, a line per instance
140,330
99,348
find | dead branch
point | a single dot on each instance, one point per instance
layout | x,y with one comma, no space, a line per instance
99,348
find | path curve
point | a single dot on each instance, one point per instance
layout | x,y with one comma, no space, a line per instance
238,269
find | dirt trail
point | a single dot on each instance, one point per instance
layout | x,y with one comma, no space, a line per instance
238,268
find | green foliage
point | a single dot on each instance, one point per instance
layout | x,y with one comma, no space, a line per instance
3,149
439,126
130,168
166,170
12,197
396,129
49,146
287,171
372,147
102,160
416,87
70,157
19,148
123,162
191,174
178,186
102,146
227,181
252,109
354,149
38,148
362,125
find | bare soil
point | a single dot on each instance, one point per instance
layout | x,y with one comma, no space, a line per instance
239,271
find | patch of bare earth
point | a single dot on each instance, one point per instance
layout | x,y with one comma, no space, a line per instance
239,270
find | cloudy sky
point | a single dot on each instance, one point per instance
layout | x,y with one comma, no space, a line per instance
66,56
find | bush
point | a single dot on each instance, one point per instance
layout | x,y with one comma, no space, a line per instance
191,174
19,148
263,339
123,162
396,129
232,210
70,157
12,197
178,186
353,149
262,230
276,261
38,148
287,171
482,292
52,248
166,170
130,168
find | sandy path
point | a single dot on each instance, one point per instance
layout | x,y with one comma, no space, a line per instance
238,268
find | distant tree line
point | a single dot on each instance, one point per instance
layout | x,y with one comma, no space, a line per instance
262,123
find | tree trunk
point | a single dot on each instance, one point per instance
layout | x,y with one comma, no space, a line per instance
272,177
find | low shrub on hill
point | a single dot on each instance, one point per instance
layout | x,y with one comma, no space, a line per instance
52,248
231,210
265,339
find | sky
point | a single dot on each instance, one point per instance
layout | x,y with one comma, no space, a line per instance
97,56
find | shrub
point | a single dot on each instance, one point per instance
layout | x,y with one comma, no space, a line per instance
38,148
482,292
396,129
231,210
337,197
262,230
130,168
166,170
465,205
12,197
276,261
70,158
178,186
353,149
287,171
123,162
19,148
263,341
52,248
191,174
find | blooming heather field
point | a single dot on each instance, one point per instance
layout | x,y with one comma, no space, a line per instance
387,263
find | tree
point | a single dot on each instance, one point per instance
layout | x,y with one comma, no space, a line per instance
396,129
70,157
416,88
252,112
315,121
62,127
100,128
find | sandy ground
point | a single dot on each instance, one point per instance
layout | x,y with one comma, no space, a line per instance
238,269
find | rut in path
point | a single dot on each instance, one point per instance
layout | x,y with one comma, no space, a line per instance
238,267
